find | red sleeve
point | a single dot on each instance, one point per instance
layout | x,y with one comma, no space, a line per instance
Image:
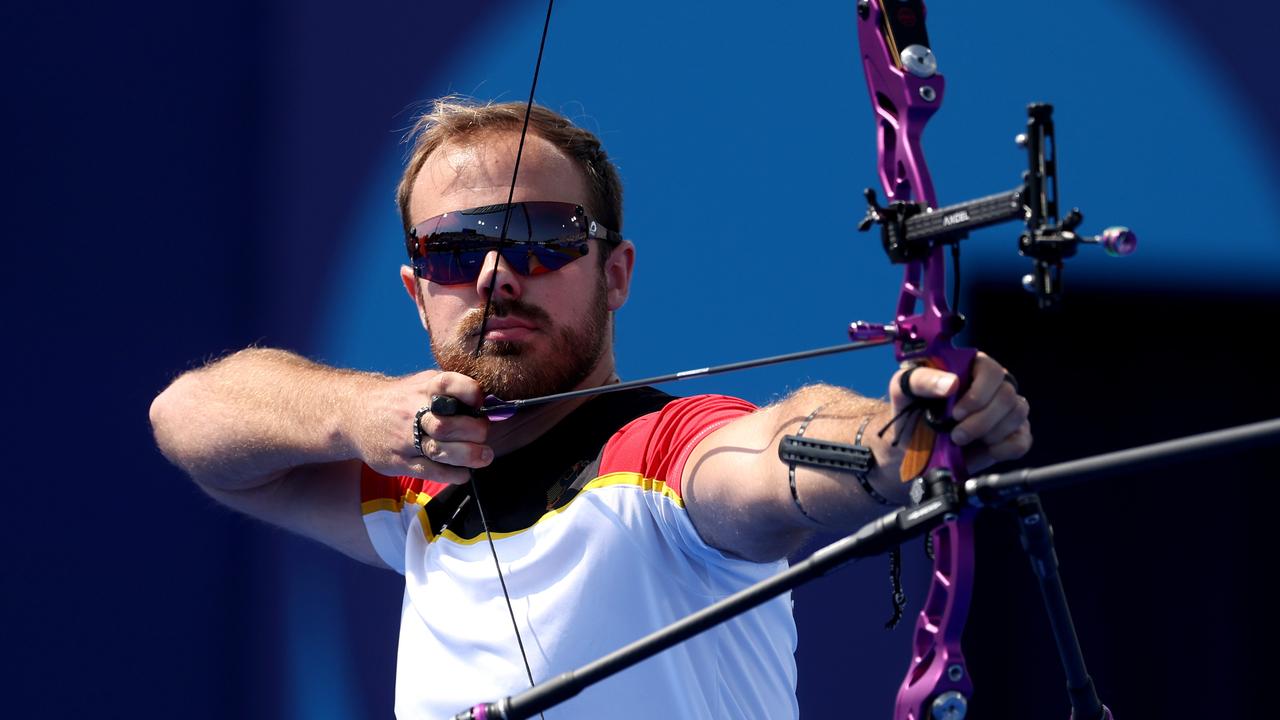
375,486
657,445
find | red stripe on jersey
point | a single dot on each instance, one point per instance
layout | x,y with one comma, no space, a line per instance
657,445
375,486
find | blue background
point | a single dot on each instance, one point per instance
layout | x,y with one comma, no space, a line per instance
188,179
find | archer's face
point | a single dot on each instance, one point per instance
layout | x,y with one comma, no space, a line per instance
546,333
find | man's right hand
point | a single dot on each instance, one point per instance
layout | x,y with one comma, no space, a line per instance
382,431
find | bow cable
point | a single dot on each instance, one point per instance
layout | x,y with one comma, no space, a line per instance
484,322
515,173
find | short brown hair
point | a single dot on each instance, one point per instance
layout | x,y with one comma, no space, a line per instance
454,118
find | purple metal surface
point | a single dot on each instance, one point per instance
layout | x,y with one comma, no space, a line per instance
901,112
860,331
937,661
903,103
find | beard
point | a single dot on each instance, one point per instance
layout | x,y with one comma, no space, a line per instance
510,369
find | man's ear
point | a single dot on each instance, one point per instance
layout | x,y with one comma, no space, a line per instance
617,274
414,288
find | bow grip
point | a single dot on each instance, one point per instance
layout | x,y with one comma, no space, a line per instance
929,445
936,411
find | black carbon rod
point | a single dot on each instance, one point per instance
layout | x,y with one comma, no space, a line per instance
875,537
512,405
999,487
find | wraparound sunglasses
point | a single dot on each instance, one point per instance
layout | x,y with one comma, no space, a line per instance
541,237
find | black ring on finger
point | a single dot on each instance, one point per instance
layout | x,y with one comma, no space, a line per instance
904,383
418,433
1009,378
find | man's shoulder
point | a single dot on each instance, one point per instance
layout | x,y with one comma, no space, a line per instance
657,444
677,414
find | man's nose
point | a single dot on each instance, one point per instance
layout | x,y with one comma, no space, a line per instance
497,273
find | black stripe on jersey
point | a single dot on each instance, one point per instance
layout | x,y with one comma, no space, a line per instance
521,487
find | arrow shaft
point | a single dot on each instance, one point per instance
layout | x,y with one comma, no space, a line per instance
511,405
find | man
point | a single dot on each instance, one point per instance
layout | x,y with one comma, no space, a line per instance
536,544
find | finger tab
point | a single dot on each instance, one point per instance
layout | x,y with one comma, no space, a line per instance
448,406
444,405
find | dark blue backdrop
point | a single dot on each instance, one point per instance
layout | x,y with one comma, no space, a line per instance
187,179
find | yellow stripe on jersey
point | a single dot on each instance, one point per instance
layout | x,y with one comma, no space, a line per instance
373,506
393,504
612,479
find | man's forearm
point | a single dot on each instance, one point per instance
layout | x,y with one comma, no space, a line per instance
838,500
828,499
742,497
244,420
739,491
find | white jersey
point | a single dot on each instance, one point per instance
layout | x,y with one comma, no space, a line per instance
608,559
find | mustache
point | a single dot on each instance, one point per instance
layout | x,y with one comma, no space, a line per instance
470,324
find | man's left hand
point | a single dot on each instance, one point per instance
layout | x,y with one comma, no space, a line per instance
991,416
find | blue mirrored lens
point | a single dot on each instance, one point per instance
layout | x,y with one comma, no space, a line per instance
542,237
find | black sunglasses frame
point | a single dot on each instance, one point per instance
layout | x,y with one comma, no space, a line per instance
536,239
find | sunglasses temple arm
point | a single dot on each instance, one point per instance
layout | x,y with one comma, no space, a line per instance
497,409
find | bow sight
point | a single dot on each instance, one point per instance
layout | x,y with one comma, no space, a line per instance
911,230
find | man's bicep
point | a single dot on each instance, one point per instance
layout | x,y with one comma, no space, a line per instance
321,502
736,492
